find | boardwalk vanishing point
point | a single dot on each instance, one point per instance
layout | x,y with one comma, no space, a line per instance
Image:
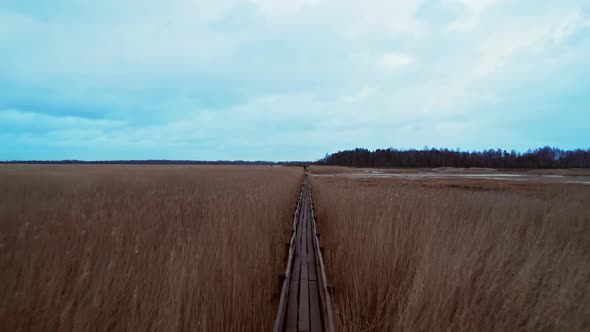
306,298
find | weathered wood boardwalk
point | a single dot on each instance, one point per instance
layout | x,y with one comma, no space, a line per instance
306,300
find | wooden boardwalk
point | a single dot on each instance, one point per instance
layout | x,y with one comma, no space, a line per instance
306,300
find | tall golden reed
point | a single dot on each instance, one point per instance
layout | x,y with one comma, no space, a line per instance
407,256
143,248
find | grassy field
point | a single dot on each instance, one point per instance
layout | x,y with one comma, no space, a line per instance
143,248
331,170
455,254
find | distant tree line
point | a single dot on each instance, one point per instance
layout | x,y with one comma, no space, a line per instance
546,157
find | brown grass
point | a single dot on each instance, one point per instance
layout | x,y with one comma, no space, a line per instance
448,170
142,248
408,256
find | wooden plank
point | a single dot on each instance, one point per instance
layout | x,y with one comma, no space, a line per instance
315,311
282,307
329,320
290,256
280,319
304,238
313,276
300,230
304,298
291,324
304,269
304,313
325,295
296,268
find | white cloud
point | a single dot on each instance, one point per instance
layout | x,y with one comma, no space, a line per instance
567,26
363,94
394,60
276,8
238,73
17,118
474,10
476,6
524,37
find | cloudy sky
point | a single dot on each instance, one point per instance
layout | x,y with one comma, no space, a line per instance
292,79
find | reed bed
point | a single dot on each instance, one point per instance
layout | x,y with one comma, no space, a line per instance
143,248
407,256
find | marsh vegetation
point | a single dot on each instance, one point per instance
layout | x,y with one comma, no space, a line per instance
143,248
455,254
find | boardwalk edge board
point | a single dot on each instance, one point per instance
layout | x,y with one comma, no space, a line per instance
305,260
325,288
279,321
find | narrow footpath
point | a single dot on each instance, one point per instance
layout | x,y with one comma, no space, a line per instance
306,300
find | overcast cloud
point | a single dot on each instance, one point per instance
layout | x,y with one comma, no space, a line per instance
276,80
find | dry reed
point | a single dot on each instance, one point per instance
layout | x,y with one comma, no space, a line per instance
412,257
142,248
